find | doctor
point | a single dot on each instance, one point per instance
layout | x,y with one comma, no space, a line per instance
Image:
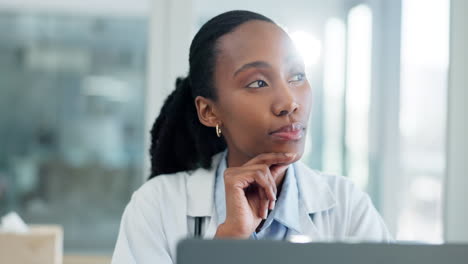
225,153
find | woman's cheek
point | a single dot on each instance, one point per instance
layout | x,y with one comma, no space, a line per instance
306,96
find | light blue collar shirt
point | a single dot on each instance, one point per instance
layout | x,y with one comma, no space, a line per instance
283,218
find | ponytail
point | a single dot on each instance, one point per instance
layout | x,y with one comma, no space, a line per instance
179,142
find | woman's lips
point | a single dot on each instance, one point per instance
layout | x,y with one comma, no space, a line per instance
293,131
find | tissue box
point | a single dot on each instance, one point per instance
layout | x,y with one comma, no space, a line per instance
41,245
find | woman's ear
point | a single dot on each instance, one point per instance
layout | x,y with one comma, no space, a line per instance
206,111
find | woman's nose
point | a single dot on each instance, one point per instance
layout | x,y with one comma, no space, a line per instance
286,103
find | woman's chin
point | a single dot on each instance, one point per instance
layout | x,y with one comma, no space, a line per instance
299,151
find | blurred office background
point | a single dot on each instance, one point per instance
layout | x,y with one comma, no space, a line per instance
82,81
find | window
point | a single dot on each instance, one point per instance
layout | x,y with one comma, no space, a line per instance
358,89
423,93
334,95
71,121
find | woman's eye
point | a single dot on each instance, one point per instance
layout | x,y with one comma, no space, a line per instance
257,84
298,77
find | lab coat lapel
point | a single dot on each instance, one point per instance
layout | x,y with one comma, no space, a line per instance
314,191
314,196
200,190
307,229
200,199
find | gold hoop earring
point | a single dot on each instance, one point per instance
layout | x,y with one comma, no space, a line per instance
218,130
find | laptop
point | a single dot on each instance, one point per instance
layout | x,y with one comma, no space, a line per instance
197,251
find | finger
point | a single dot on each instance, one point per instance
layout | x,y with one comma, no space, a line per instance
272,205
272,182
263,180
247,178
271,158
263,205
266,170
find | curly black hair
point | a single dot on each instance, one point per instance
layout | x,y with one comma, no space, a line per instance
179,142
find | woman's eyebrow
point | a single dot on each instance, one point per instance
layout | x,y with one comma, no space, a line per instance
255,64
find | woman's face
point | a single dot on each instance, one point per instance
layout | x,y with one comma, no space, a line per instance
263,97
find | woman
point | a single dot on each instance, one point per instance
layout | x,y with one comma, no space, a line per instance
225,152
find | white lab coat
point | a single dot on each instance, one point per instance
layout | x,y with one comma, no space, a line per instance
162,212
